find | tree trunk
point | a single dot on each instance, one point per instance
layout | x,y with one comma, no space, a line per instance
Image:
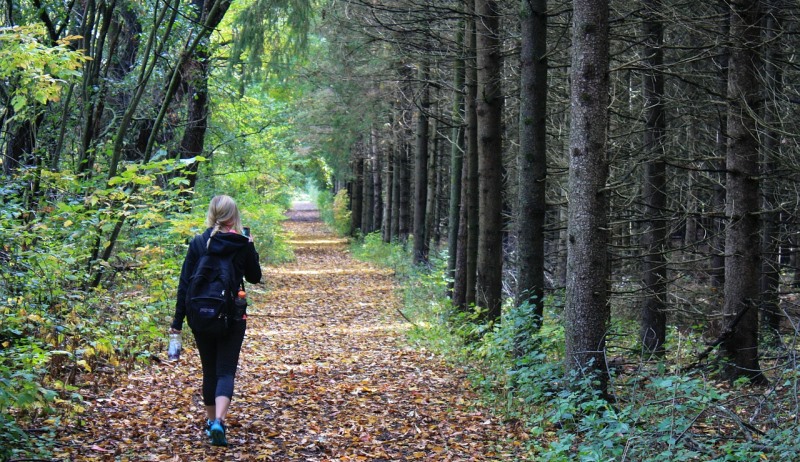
459,295
356,194
653,328
742,263
404,209
587,311
194,135
456,163
397,156
95,86
471,163
389,190
20,145
466,256
196,76
490,159
561,244
717,269
367,193
440,205
421,168
532,159
433,185
377,182
770,241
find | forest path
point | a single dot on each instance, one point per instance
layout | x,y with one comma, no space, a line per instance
324,376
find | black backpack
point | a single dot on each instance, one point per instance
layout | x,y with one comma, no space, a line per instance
210,295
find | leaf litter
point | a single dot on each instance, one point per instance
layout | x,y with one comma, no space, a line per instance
324,375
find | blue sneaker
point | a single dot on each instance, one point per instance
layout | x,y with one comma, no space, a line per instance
209,422
217,431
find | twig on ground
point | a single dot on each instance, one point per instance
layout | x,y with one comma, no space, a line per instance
406,318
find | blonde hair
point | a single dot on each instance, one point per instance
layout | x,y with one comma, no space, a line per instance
222,211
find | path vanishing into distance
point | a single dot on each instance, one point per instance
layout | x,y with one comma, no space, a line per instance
325,375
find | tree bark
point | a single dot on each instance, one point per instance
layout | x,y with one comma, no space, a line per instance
420,250
194,135
368,191
653,328
404,210
20,145
389,188
432,196
356,194
456,164
471,163
770,240
717,269
587,310
196,68
466,256
377,181
532,158
397,156
490,159
742,262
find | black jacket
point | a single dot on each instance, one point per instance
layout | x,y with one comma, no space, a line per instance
245,262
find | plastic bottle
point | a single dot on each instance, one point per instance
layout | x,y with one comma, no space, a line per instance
241,305
175,347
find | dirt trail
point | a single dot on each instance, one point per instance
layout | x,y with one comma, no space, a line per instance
324,376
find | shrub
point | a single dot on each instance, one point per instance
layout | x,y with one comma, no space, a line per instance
658,414
334,210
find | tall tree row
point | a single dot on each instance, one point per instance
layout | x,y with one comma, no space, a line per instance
621,165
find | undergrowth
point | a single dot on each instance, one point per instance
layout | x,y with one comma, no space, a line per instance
659,412
61,336
333,210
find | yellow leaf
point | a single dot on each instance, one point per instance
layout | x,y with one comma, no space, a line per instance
103,347
84,364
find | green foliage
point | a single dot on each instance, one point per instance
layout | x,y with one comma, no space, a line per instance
324,201
423,291
657,414
37,72
89,264
265,221
341,212
57,330
342,101
393,255
277,29
334,210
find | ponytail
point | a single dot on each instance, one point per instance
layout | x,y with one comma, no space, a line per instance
214,231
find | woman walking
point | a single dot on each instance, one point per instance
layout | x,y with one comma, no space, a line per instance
219,355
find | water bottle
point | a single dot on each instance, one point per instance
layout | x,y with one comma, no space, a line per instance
174,350
241,305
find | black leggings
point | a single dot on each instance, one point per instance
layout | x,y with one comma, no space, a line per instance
220,357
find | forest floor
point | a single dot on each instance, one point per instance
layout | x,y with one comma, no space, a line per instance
325,375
